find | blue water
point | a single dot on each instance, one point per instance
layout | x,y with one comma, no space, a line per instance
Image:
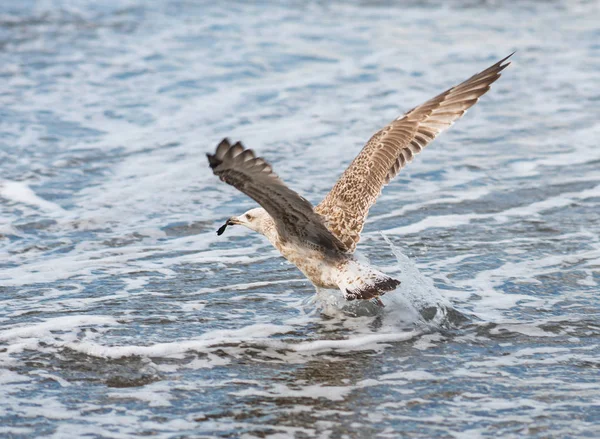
123,314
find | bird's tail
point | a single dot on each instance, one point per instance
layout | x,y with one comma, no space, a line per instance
358,281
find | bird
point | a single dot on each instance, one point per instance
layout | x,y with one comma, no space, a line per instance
321,240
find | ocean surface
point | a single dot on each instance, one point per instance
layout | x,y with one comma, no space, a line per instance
123,314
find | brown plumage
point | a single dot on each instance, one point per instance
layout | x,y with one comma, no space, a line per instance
294,216
320,241
347,205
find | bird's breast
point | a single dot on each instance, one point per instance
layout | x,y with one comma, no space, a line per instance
315,265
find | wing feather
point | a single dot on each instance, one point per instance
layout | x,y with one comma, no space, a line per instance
347,205
294,216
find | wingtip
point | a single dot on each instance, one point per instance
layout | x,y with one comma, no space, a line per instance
216,159
224,142
503,63
213,161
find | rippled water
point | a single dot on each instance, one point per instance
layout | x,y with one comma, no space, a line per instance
122,313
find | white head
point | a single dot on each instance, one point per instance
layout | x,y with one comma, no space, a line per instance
255,219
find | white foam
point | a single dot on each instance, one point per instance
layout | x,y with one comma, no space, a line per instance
333,393
438,221
442,197
359,342
20,192
414,375
256,332
44,328
157,394
527,211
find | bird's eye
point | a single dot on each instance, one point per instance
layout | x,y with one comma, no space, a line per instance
248,217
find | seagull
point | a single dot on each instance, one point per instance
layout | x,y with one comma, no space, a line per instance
321,240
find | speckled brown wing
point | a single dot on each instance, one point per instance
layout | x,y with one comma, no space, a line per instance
346,207
294,216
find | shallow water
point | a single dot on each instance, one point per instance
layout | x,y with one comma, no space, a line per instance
122,313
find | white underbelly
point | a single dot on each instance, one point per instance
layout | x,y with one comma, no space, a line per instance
312,264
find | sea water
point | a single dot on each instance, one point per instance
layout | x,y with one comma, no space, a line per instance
123,314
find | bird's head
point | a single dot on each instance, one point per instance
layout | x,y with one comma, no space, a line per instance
255,219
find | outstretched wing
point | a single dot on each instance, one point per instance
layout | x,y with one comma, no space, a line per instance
294,216
346,207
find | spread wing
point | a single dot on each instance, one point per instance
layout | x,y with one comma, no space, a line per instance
294,216
346,207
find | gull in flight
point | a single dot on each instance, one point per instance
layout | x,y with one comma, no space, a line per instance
321,240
